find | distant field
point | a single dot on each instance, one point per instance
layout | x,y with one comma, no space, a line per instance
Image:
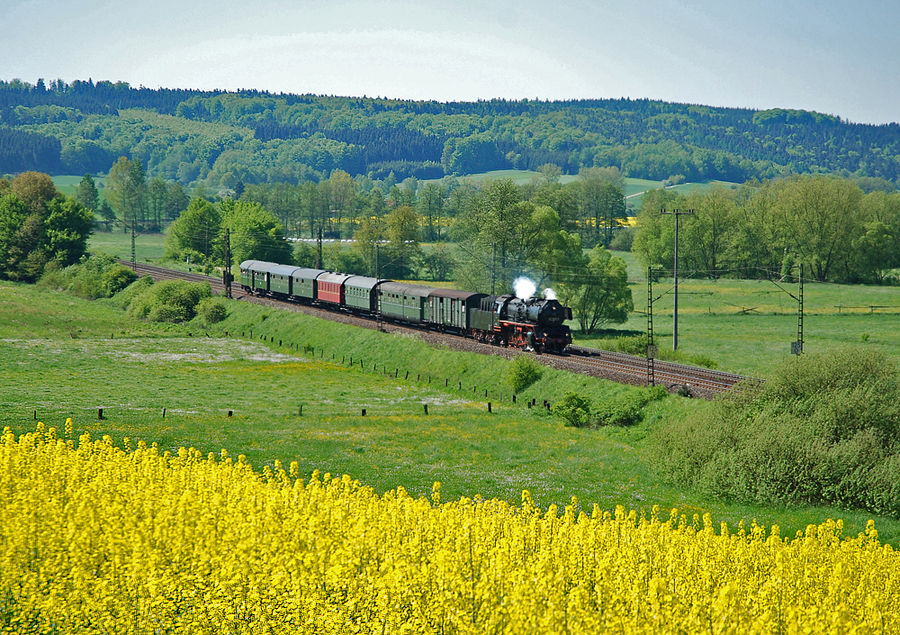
147,247
747,326
67,184
61,357
634,188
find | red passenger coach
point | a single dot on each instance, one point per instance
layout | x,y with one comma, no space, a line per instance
330,287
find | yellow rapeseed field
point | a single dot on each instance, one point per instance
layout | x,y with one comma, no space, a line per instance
96,538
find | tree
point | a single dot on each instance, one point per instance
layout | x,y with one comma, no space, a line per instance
176,200
562,198
877,248
37,225
341,192
86,193
283,200
816,216
35,189
367,239
157,199
439,262
485,232
68,227
705,234
194,232
602,200
255,232
601,294
611,208
431,207
126,190
106,214
550,172
314,205
401,228
20,236
654,240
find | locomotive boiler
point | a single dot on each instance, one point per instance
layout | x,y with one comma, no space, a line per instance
533,323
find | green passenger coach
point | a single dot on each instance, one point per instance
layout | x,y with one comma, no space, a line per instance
403,301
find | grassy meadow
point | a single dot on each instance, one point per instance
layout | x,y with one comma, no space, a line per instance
747,326
634,188
63,357
147,247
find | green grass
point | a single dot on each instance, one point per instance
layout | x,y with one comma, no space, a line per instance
635,188
62,357
67,184
747,326
147,247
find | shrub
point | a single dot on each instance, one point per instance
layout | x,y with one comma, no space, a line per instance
124,297
211,310
117,278
574,409
523,371
169,301
627,409
92,277
623,239
637,345
825,429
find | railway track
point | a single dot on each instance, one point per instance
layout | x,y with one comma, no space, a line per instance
161,273
698,381
618,367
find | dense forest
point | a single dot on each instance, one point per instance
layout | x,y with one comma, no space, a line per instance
246,137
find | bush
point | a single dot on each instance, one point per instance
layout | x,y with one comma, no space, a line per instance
92,277
211,310
625,410
637,345
117,278
628,409
523,371
169,301
825,429
574,409
125,296
623,239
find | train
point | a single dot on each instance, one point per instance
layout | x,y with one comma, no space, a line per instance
532,324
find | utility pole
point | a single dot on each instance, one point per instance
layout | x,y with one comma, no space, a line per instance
799,344
319,250
493,266
677,214
651,347
133,259
227,262
796,345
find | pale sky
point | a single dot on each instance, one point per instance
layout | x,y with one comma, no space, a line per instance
839,58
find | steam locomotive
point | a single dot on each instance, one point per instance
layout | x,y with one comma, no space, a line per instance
536,324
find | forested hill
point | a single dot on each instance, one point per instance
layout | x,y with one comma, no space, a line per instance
224,138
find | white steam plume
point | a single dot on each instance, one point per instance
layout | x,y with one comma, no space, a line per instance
524,287
549,294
